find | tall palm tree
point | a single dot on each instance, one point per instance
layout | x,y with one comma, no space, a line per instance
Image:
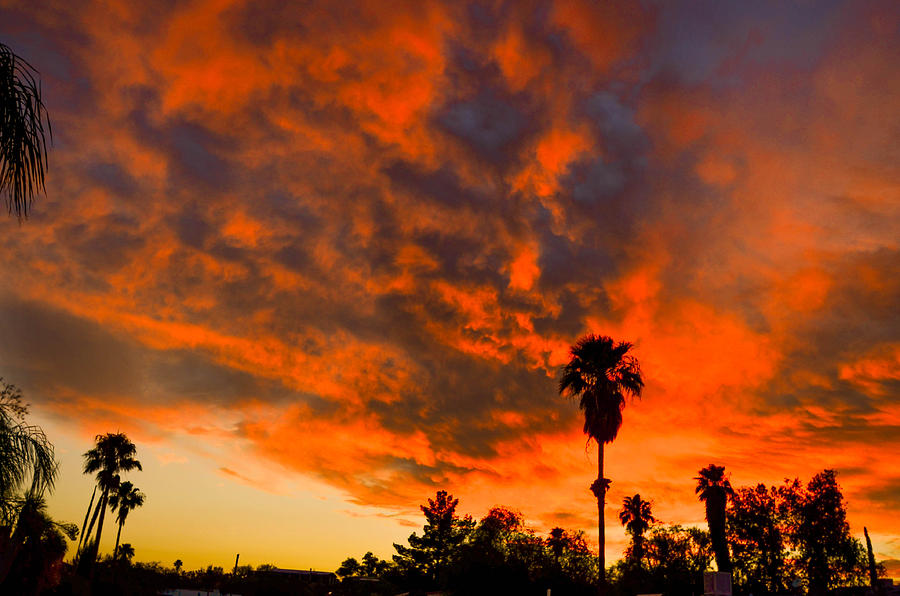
87,514
111,454
125,500
23,145
601,374
714,490
636,517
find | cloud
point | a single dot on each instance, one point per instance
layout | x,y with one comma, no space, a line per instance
358,243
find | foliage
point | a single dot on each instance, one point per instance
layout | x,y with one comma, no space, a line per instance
601,374
498,554
26,455
756,532
23,146
828,556
794,532
428,557
42,545
27,470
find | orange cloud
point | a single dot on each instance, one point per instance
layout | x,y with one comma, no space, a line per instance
356,244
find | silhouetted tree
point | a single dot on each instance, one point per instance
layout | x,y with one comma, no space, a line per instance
26,455
349,568
178,565
556,541
826,552
676,559
573,564
38,561
636,517
428,556
601,374
714,490
27,470
111,454
126,499
124,553
758,545
23,146
873,569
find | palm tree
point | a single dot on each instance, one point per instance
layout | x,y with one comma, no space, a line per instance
23,145
714,490
126,552
25,452
125,500
111,454
87,514
601,374
557,542
178,564
41,547
27,469
636,518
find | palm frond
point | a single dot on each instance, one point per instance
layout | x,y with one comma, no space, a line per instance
602,374
23,134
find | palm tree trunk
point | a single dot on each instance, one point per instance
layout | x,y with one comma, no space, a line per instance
103,503
93,519
118,535
87,514
601,506
715,514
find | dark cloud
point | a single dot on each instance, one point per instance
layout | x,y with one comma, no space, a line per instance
496,128
52,352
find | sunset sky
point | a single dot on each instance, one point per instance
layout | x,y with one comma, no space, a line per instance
319,262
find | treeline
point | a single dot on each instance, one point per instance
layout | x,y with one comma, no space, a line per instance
790,533
787,539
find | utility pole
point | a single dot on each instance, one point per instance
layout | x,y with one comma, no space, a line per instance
236,558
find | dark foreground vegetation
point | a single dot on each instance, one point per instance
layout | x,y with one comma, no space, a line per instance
788,539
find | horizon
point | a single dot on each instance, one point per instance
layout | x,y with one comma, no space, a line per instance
320,263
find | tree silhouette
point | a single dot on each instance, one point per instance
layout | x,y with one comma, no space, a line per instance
177,564
126,552
26,464
111,454
756,517
873,568
828,554
557,542
42,545
26,455
349,568
126,499
430,555
676,558
601,374
636,517
23,145
714,489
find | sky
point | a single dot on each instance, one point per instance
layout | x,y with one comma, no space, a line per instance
320,261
